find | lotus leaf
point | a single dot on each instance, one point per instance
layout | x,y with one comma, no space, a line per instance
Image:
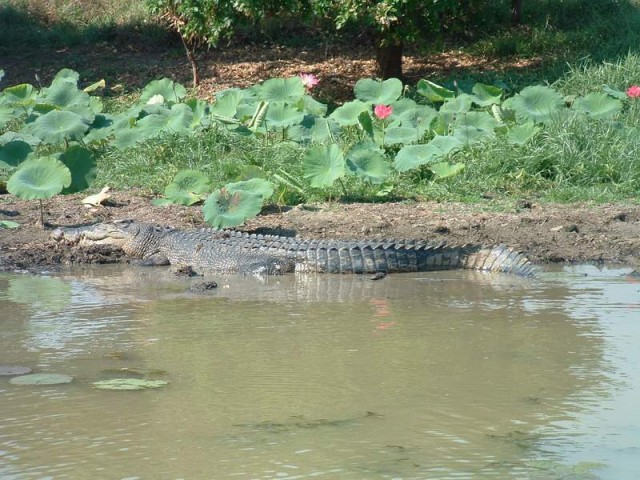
101,128
40,177
200,111
446,169
23,94
82,165
401,135
377,92
614,92
6,113
224,208
259,186
315,129
41,379
311,106
7,137
14,153
66,75
170,91
368,161
323,165
537,103
472,127
288,90
128,384
460,104
227,102
434,92
95,86
281,115
486,95
348,113
65,94
187,187
521,134
412,156
598,105
57,126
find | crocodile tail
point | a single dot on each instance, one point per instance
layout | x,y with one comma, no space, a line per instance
372,257
499,258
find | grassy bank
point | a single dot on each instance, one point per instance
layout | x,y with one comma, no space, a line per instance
575,158
579,47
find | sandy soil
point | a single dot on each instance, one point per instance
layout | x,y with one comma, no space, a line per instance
546,233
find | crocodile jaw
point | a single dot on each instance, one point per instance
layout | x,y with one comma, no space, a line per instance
101,234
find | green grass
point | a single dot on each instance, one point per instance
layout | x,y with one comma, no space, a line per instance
590,76
568,29
39,24
222,156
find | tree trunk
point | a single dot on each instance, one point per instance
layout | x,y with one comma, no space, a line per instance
389,61
192,60
516,12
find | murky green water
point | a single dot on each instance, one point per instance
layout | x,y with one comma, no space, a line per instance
448,375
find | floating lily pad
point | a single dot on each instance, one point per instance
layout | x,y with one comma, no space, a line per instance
42,379
128,384
10,370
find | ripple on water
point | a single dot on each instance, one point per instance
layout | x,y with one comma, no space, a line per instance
444,375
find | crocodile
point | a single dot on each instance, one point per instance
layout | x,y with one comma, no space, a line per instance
230,251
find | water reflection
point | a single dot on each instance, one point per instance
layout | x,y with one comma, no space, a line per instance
447,375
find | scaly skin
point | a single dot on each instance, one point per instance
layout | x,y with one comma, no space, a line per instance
231,251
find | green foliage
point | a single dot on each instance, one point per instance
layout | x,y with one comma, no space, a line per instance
169,92
48,153
209,21
536,103
323,165
13,153
128,384
233,204
187,187
39,178
275,141
368,161
81,164
377,92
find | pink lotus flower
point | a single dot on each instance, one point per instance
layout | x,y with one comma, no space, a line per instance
383,111
309,80
633,91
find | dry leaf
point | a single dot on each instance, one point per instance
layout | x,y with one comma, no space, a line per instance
97,199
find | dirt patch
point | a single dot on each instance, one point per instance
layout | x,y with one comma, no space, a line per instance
127,68
546,233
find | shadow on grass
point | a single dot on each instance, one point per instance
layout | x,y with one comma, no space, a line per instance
23,31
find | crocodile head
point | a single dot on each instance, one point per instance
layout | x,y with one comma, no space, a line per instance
116,233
